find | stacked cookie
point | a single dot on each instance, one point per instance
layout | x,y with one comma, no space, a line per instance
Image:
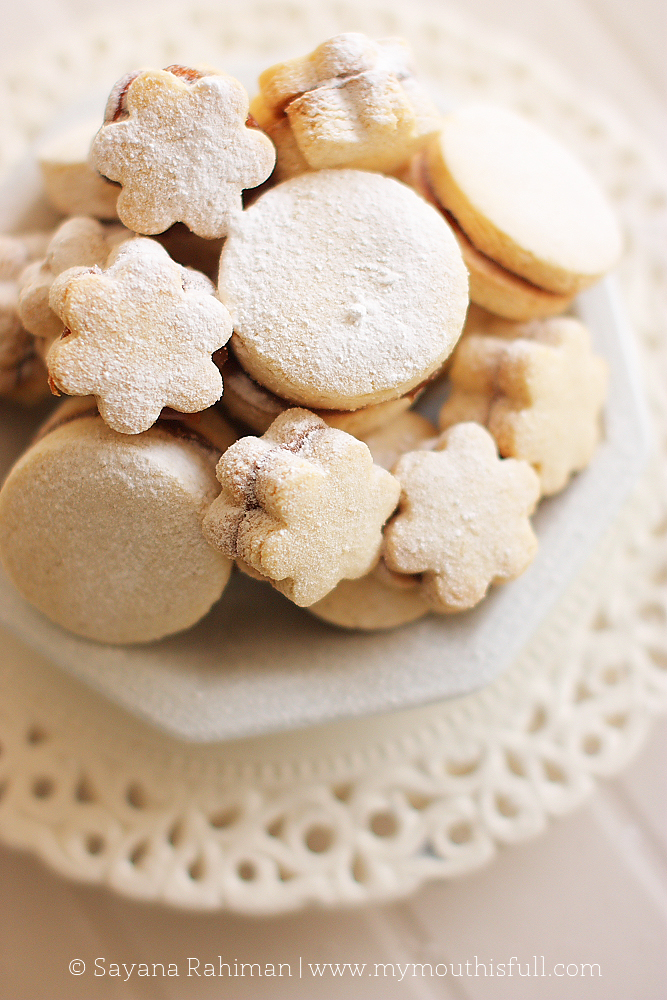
533,226
341,295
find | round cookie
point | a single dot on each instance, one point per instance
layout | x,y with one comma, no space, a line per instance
373,602
492,287
102,532
346,289
522,199
250,403
500,291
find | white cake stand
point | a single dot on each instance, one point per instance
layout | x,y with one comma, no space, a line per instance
364,809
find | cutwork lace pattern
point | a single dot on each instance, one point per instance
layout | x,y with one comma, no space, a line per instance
366,809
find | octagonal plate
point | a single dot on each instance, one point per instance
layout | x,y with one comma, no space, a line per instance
258,664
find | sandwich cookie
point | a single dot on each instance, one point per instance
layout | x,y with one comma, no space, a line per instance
180,143
290,161
345,288
79,242
16,252
540,392
523,203
353,102
139,336
302,507
491,286
23,376
463,522
251,404
102,532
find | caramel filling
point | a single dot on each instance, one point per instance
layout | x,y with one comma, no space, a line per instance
186,73
116,109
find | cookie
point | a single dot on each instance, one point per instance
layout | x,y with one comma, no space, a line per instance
193,251
407,432
251,404
373,602
303,506
23,377
290,161
70,183
522,199
346,289
491,286
102,532
139,336
22,374
353,102
540,394
16,252
463,520
480,320
177,141
78,242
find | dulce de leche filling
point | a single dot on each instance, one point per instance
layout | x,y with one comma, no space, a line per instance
116,108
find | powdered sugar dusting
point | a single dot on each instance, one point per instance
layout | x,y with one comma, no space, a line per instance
303,506
345,289
182,152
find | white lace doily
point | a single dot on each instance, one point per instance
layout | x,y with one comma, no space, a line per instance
366,809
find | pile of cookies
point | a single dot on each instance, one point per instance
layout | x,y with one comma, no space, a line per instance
241,308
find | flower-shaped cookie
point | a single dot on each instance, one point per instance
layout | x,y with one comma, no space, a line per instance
176,140
540,395
138,336
303,506
78,242
463,520
352,102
